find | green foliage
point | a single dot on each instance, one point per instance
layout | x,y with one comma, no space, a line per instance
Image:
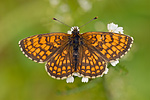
22,79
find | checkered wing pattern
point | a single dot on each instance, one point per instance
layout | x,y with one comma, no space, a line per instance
40,48
91,64
111,46
60,65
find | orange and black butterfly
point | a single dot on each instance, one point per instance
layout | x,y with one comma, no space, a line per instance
86,54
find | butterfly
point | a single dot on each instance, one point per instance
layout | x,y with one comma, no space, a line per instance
86,54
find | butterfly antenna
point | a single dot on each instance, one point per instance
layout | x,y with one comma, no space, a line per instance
89,21
61,22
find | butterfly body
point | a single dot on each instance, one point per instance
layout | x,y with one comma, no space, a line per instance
75,43
86,54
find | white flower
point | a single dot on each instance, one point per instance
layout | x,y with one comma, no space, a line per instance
114,63
85,80
70,79
119,30
114,28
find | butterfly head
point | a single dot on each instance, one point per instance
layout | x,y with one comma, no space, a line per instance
75,29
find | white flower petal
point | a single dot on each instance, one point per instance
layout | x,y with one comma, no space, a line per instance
114,63
69,32
70,79
119,30
112,27
85,80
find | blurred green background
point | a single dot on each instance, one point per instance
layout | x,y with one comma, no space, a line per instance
23,79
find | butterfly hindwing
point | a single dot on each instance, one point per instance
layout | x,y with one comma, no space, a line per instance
40,48
91,64
60,65
111,46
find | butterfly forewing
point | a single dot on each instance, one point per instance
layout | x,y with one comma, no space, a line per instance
60,65
111,46
91,64
41,47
